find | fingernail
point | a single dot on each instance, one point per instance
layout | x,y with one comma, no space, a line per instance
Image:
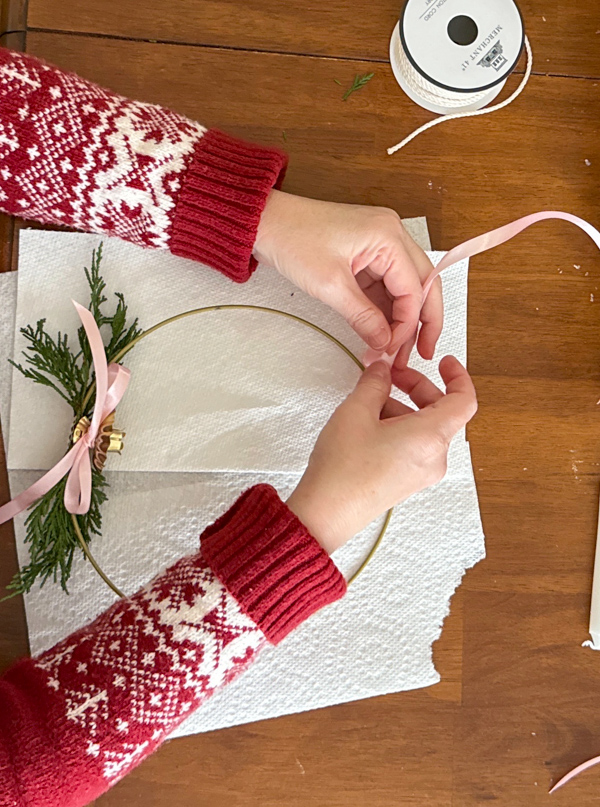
383,361
380,339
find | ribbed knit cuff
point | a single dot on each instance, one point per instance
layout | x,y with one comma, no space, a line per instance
271,564
224,192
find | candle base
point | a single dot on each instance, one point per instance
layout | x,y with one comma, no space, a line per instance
594,643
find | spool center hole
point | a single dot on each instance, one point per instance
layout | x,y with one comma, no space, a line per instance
462,30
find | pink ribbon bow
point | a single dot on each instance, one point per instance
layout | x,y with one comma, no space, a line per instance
111,383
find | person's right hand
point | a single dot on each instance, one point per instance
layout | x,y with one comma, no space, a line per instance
376,452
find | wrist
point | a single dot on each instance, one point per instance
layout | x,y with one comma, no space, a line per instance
262,250
317,521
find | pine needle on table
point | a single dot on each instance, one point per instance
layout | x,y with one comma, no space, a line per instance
358,83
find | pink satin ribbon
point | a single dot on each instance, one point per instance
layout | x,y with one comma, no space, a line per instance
468,249
111,383
572,774
481,243
112,380
494,238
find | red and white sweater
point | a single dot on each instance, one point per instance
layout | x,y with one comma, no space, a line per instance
76,719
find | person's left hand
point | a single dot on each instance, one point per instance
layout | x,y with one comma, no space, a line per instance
359,260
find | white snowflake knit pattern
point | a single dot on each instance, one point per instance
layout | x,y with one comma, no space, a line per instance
73,153
133,675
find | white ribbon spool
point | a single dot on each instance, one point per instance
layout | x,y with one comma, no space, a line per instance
453,57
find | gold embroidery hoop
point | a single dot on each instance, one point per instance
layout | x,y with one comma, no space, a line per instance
204,310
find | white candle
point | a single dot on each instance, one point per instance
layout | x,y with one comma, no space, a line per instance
595,606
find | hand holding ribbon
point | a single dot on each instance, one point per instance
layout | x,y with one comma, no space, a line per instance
482,243
111,383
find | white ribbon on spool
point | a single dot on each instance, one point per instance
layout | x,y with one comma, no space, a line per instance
467,104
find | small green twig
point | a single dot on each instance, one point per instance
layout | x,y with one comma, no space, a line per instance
358,83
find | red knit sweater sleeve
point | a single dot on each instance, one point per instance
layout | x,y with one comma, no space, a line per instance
73,153
76,719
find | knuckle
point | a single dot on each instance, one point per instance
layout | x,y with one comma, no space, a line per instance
470,409
386,217
330,287
360,320
442,467
373,382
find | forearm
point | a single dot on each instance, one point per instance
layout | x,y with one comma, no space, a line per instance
78,718
75,154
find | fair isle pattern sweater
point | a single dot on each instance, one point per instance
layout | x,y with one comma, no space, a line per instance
73,153
76,719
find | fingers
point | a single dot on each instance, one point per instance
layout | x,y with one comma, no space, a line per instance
395,409
432,318
403,355
456,408
418,387
446,413
395,268
432,311
373,388
362,315
406,310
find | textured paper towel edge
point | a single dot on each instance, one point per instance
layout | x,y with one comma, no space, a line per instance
182,730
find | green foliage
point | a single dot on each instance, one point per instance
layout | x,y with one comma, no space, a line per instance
51,538
358,83
53,363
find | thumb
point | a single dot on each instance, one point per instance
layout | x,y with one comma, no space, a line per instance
363,316
373,388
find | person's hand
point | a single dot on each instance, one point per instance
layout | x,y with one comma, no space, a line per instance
376,452
359,260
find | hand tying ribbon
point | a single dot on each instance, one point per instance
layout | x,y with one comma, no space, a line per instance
111,383
481,243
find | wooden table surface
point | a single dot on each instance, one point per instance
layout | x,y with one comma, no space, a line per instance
516,707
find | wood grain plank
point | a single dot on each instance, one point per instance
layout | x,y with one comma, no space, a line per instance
527,157
13,16
564,35
354,754
13,634
13,628
527,715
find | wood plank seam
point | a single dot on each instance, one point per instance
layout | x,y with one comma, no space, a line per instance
325,57
13,16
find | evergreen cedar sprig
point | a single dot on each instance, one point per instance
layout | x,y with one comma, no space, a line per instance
50,533
358,83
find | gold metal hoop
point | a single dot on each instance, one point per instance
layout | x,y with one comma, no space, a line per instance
232,307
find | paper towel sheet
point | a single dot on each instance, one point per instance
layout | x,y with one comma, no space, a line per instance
377,640
367,645
416,227
233,379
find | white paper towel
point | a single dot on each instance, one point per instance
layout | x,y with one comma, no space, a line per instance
233,379
377,640
369,644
